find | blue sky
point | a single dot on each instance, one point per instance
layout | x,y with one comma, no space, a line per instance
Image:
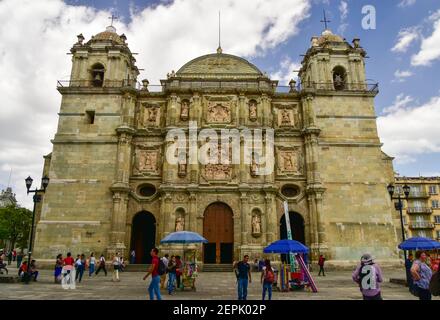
403,51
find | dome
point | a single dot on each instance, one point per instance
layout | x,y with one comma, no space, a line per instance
328,36
108,35
219,65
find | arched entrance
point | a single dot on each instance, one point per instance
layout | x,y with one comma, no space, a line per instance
296,226
218,229
143,236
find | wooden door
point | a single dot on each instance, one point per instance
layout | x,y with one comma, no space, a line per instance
218,229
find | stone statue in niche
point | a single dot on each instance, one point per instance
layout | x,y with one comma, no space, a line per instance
256,224
182,170
184,110
254,167
252,110
180,223
151,115
289,161
218,113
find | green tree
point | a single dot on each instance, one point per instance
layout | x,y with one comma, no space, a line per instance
15,225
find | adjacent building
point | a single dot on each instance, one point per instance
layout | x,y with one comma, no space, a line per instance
422,209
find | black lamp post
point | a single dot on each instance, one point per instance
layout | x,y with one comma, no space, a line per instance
36,198
399,206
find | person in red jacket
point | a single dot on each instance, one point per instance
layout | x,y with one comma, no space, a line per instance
321,262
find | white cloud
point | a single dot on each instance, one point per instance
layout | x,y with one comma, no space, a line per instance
409,130
401,76
430,47
406,3
288,70
36,35
343,11
405,38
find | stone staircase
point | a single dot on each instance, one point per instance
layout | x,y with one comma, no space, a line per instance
217,267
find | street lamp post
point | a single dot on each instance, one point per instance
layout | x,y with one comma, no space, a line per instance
36,198
399,206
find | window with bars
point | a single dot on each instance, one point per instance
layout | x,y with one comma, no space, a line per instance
435,204
437,219
433,189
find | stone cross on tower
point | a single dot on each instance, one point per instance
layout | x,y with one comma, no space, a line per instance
113,17
325,21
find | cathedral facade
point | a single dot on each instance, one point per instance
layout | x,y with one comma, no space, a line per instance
114,189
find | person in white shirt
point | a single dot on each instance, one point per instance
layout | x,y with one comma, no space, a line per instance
92,263
164,276
116,266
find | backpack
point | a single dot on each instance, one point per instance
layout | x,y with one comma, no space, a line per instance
269,276
434,284
161,268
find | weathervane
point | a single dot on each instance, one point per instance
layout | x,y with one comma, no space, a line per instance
325,21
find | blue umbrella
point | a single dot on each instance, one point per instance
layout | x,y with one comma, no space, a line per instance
419,243
286,246
184,237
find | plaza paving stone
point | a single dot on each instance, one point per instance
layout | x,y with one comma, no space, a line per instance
337,285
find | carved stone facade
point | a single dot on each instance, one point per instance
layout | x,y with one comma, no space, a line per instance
114,173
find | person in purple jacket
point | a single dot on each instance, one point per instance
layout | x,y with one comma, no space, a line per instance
369,276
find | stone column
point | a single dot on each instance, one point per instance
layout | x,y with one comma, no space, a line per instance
120,189
271,219
244,218
242,110
192,216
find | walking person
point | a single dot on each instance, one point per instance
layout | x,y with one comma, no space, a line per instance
14,255
132,257
164,276
368,275
155,278
116,265
178,271
321,262
58,268
9,257
19,259
80,267
172,266
92,263
101,265
267,279
243,272
421,274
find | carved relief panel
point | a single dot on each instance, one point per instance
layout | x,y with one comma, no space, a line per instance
290,161
146,161
219,109
219,170
150,115
287,115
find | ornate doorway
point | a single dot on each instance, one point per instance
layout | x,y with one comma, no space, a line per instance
143,236
296,226
218,229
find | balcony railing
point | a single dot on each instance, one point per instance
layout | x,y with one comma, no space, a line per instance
354,86
421,225
418,194
96,84
419,210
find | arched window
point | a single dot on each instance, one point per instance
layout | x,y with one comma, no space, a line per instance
339,78
97,75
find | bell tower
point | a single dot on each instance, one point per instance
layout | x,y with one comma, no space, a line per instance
347,172
86,205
